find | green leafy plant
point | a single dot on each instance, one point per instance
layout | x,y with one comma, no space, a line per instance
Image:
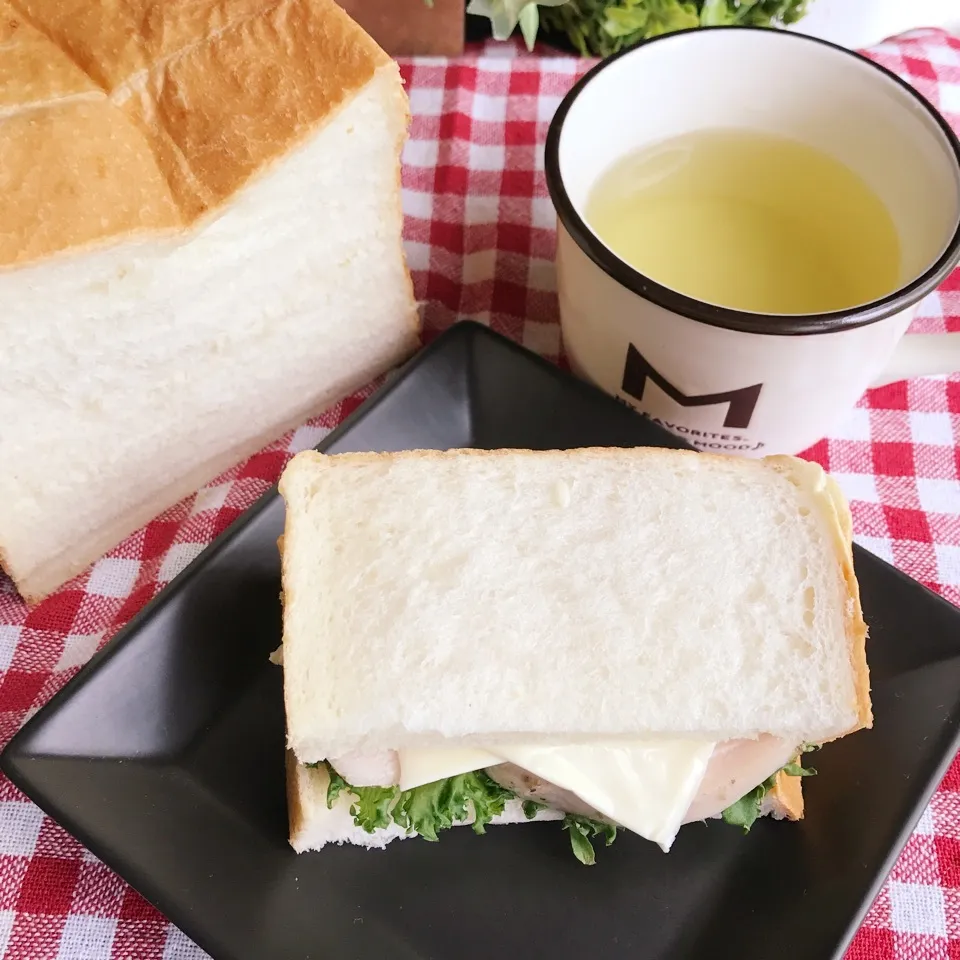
582,830
425,810
505,15
433,807
531,808
602,27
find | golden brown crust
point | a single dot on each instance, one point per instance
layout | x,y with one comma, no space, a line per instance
32,72
786,797
295,814
128,116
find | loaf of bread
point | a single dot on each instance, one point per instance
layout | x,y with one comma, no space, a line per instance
200,246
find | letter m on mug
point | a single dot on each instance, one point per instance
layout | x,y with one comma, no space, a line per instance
740,403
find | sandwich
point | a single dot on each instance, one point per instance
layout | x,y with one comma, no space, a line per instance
611,638
200,248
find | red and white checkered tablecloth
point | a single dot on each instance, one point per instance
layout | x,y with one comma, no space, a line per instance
480,242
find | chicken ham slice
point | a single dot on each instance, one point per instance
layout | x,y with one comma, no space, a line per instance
528,786
735,768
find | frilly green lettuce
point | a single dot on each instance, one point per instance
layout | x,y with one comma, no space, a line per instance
602,27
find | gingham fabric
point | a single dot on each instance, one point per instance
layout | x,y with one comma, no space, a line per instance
480,241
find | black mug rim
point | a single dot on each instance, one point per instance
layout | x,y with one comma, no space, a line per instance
726,317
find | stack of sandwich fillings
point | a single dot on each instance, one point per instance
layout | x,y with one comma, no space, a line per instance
619,638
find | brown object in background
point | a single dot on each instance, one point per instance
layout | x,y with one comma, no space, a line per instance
409,27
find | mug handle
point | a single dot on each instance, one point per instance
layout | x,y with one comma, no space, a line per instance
922,355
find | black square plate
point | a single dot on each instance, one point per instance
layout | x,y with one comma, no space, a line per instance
165,754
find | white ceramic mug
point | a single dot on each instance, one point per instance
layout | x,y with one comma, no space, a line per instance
728,380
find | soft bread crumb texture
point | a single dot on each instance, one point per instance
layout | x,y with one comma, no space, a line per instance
482,596
200,247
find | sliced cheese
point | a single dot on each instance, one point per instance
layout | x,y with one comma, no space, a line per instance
645,786
418,767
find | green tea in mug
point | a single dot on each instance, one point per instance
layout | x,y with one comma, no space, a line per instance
750,221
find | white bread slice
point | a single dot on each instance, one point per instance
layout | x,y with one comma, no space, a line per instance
479,597
313,825
200,246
